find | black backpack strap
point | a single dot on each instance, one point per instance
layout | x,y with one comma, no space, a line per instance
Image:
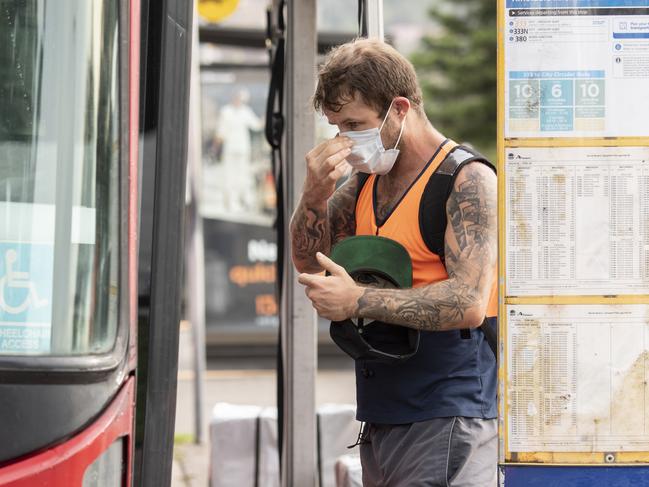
432,210
490,329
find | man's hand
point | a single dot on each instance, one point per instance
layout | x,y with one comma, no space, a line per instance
334,297
325,164
323,215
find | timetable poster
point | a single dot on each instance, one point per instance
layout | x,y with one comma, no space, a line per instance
576,378
577,221
576,68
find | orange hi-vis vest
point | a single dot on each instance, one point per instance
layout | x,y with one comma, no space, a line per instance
402,224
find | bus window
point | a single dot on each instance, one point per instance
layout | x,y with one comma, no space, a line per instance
59,170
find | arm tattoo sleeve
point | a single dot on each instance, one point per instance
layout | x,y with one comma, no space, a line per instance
309,234
316,227
470,246
342,211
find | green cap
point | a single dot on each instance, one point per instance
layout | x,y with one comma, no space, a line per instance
374,255
370,259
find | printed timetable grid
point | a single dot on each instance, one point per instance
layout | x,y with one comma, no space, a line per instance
577,221
576,378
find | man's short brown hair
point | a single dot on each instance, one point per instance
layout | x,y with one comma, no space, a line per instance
371,68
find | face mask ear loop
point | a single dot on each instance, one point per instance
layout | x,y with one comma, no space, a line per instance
403,125
386,116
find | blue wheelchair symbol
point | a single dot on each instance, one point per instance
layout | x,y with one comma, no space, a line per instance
25,282
18,280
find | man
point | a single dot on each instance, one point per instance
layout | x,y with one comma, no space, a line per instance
431,419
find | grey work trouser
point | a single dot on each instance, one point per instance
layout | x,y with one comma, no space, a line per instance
445,452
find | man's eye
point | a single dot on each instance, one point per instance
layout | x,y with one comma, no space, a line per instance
352,125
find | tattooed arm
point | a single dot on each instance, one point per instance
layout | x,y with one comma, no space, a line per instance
310,226
471,249
317,225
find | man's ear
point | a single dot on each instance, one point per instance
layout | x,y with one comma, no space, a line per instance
401,105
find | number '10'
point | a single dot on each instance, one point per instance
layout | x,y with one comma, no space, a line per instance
589,90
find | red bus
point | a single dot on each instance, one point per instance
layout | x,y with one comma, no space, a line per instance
93,143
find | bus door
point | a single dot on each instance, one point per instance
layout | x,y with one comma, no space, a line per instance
66,242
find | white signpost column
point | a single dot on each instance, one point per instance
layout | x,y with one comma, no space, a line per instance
299,326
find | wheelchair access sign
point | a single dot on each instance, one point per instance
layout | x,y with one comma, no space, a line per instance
25,297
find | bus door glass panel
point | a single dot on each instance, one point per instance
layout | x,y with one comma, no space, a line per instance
59,176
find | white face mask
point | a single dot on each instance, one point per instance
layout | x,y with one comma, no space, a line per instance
368,154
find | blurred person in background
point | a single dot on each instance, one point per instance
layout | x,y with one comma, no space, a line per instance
236,121
429,420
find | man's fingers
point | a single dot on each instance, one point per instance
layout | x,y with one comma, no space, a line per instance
342,169
338,145
317,150
311,280
329,265
330,146
304,279
342,165
333,161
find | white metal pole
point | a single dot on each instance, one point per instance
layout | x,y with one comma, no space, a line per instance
195,253
374,19
299,324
